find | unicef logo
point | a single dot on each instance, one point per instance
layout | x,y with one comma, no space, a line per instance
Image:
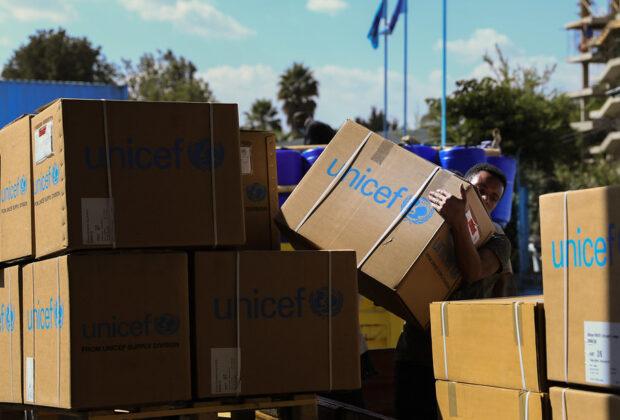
55,174
7,318
167,324
200,154
421,211
320,302
23,185
60,314
256,192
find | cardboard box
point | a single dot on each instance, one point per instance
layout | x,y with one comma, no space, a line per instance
10,336
477,402
106,330
591,325
283,339
16,213
573,404
406,259
260,189
494,342
132,174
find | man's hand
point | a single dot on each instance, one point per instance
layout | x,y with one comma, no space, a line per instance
450,207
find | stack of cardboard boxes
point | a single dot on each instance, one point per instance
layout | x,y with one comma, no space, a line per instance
135,240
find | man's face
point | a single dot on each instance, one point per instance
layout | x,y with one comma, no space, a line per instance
489,187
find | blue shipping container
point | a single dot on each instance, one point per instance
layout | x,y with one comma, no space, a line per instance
18,97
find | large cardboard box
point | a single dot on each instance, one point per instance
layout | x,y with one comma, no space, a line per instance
136,174
260,189
477,402
581,286
10,336
358,195
106,330
16,213
263,325
494,342
573,404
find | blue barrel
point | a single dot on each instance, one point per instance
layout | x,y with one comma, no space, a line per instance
503,211
461,159
291,169
311,155
426,152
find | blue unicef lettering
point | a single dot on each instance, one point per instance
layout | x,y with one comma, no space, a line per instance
23,185
256,192
200,155
14,189
7,318
146,326
46,316
421,212
586,251
49,178
258,306
320,301
167,324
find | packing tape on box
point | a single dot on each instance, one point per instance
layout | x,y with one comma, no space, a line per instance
565,295
452,403
564,416
518,334
404,211
108,168
444,334
524,405
29,375
335,181
213,184
58,329
11,338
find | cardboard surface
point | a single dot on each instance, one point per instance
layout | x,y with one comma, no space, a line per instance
414,264
477,402
284,335
583,405
260,189
159,189
593,292
16,213
482,344
10,336
106,330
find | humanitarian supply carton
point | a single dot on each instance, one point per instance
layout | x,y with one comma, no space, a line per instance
260,189
275,322
16,213
126,174
574,404
10,336
368,194
580,241
478,402
106,330
494,342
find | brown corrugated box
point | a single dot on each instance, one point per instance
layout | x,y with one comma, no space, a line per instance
16,213
592,292
260,189
404,268
10,336
494,342
478,402
106,330
573,404
285,338
136,174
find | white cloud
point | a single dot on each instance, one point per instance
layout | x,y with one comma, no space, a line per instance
52,11
473,48
193,16
326,6
4,41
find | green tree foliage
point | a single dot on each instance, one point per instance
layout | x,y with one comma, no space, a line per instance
166,77
297,89
263,116
375,121
55,55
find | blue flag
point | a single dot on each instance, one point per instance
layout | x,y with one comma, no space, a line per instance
401,7
374,32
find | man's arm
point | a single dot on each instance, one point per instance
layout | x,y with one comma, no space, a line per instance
474,264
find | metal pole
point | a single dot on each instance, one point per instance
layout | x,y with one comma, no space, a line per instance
406,12
443,77
385,69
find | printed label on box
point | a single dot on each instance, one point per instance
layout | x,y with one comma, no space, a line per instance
30,379
602,352
97,221
472,225
224,371
246,160
43,142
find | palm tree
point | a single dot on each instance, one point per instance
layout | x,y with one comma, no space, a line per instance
263,116
297,89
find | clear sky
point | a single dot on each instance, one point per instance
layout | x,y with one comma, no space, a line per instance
242,46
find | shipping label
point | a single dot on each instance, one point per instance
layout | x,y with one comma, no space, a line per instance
97,221
246,160
225,371
43,142
602,352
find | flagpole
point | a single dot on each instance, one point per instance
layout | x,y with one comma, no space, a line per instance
406,12
443,77
385,70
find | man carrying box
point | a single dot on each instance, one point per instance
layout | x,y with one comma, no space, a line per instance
484,272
